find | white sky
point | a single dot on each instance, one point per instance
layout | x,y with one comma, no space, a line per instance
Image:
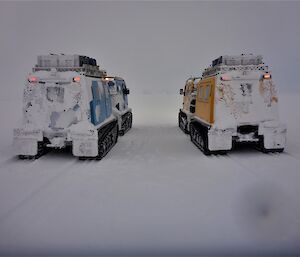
155,46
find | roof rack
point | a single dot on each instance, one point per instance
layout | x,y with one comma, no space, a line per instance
88,70
62,62
243,59
216,69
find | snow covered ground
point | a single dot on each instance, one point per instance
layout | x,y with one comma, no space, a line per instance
154,193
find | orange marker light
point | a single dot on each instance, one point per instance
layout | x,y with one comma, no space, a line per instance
267,76
32,79
76,79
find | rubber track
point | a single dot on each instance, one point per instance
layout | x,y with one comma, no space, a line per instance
180,123
126,123
107,138
195,136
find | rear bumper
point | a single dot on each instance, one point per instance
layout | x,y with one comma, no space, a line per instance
272,136
220,139
84,144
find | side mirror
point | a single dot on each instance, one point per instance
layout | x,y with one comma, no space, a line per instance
181,91
126,91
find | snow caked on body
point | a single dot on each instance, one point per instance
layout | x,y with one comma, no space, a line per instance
69,101
235,100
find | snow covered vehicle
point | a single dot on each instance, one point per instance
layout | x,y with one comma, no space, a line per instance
119,92
234,101
66,103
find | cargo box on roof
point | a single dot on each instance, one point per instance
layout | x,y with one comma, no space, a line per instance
55,60
47,61
248,59
68,61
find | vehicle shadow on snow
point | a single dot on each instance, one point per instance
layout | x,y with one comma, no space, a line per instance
251,150
51,154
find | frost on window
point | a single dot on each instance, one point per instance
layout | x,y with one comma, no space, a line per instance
55,94
207,91
201,92
204,93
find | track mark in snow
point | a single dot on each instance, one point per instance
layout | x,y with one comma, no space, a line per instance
267,162
153,144
133,143
291,156
243,166
229,159
15,159
6,162
63,170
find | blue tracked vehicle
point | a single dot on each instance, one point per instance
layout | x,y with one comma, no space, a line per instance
67,102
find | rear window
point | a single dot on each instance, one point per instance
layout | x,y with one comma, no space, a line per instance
55,94
204,93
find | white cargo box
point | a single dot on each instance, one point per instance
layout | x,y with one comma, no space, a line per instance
64,61
242,60
58,61
47,61
68,61
233,60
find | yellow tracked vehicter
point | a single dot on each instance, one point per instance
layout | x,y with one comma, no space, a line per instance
234,101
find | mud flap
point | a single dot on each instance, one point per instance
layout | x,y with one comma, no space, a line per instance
274,138
25,141
219,140
25,146
85,147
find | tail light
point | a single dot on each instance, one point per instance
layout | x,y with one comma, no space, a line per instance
32,79
267,76
76,79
